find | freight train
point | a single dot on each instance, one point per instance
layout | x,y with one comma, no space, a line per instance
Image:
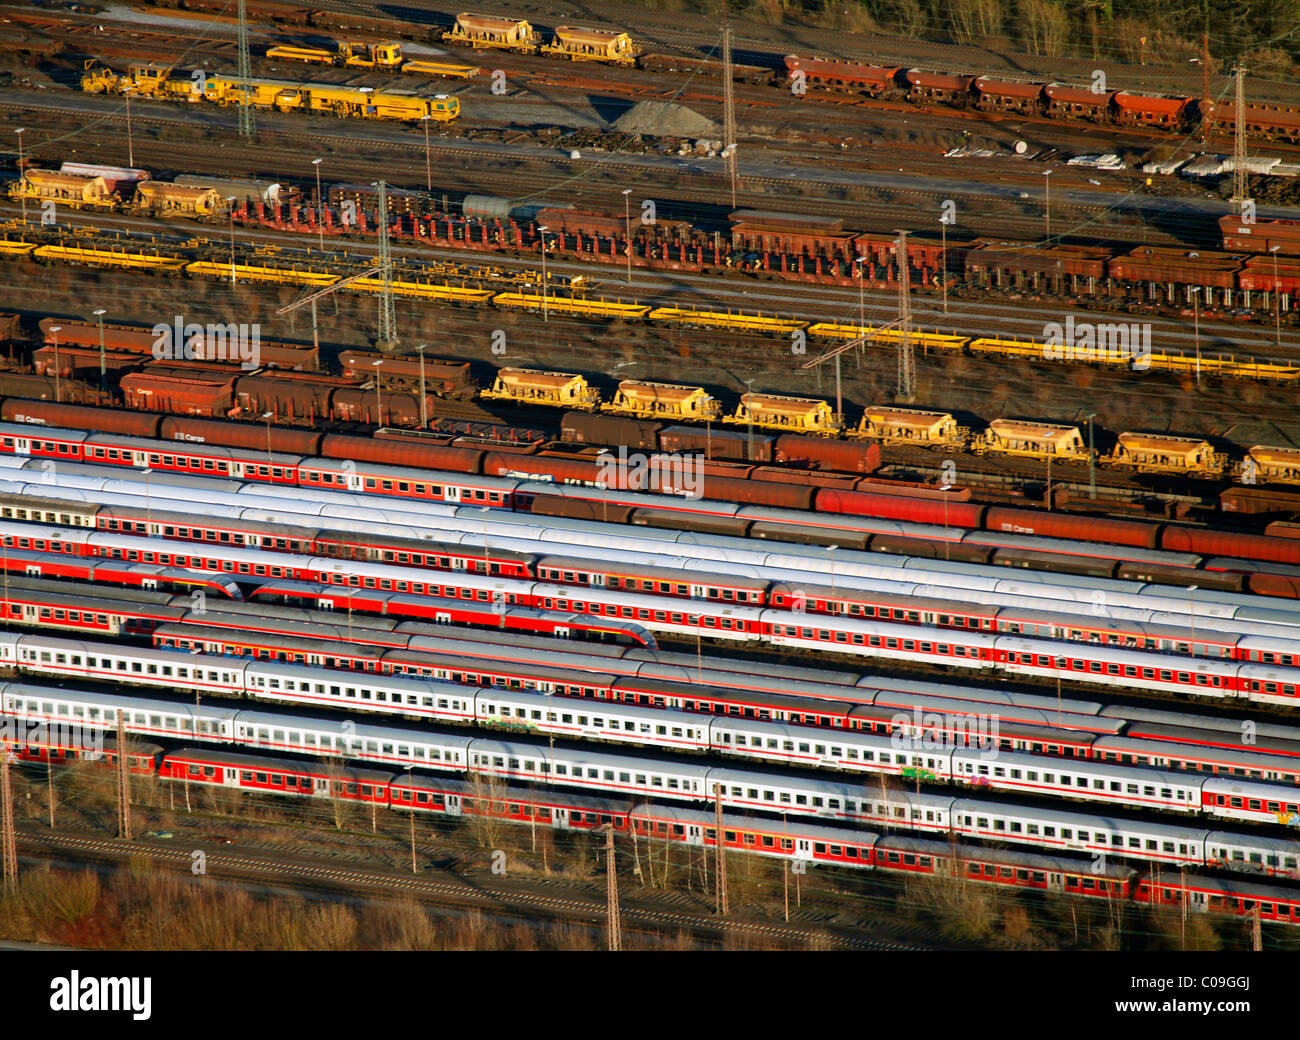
613,46
639,417
809,844
1181,114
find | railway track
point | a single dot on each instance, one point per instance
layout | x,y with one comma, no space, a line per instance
526,898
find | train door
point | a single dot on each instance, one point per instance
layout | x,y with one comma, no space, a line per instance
561,632
33,570
1198,901
325,604
1055,882
140,459
230,777
236,469
803,849
699,592
454,806
598,580
31,614
451,493
320,786
22,445
561,815
457,563
442,617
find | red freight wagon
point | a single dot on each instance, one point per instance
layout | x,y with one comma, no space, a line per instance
827,454
938,86
79,417
898,507
1006,96
1080,528
1076,101
874,80
393,452
1149,111
1230,543
758,492
182,393
254,436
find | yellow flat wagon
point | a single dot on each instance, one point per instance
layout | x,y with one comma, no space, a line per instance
260,273
424,290
733,322
110,258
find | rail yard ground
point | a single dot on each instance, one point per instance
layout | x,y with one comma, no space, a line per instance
355,699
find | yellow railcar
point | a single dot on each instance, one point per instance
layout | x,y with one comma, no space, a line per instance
555,389
644,400
65,189
912,426
1167,453
788,414
1268,465
163,199
603,45
1032,440
489,32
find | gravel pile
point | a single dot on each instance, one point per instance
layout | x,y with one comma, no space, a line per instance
664,119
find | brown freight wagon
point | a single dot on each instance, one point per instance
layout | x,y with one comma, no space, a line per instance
758,492
442,377
1259,500
79,417
255,436
827,454
804,535
133,338
287,396
911,489
179,391
610,431
83,362
401,452
542,468
581,509
42,388
380,407
717,444
805,477
701,523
